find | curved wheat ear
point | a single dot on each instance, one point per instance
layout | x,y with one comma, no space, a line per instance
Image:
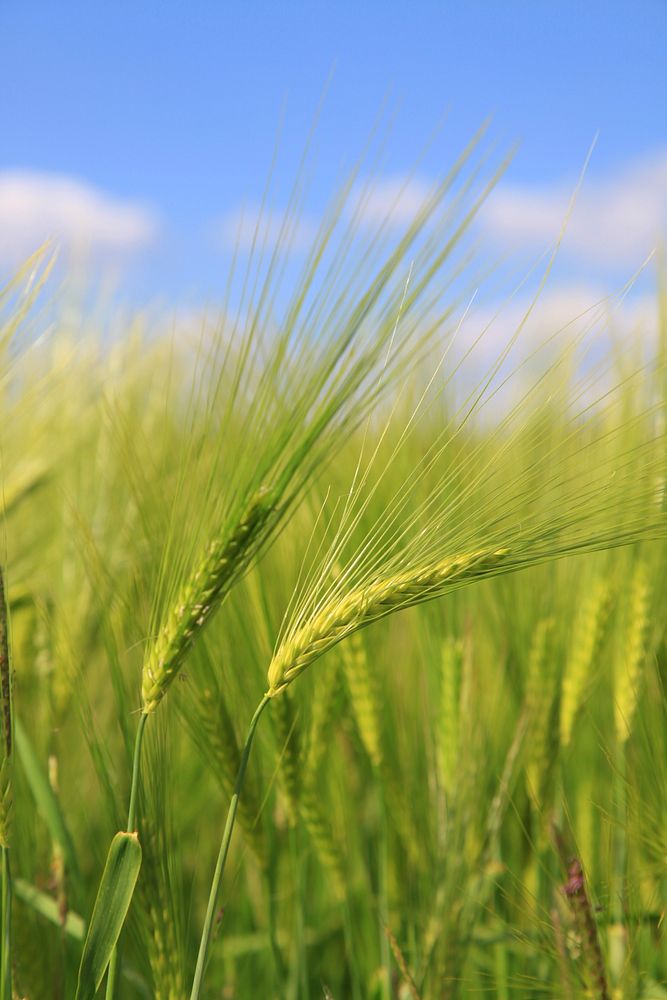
339,618
629,665
588,630
201,596
6,712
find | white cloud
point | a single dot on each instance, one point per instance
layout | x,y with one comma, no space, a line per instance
616,221
37,206
394,201
265,229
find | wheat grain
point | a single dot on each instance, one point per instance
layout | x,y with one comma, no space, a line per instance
200,598
340,618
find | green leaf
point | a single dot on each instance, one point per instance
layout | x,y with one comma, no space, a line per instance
113,901
74,925
47,802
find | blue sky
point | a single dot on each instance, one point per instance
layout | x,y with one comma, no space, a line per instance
144,127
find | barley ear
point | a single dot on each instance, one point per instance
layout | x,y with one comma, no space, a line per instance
364,697
451,661
221,745
587,635
541,690
201,596
287,735
628,666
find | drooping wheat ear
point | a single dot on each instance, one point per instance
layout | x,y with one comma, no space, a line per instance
222,744
450,712
588,631
287,735
632,654
6,746
364,697
201,596
345,615
541,689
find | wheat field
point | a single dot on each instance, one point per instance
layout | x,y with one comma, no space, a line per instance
328,589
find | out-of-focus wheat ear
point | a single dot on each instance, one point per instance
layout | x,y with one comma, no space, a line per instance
221,742
324,716
320,832
451,666
541,690
364,697
588,631
162,946
287,736
6,799
200,598
632,653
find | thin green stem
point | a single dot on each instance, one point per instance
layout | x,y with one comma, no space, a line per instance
222,854
6,985
131,819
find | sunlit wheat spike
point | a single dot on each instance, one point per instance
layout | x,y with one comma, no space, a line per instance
364,696
588,629
200,598
450,708
341,617
632,653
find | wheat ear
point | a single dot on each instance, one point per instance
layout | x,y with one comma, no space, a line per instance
628,667
284,716
364,697
222,744
450,712
541,689
340,618
586,638
200,597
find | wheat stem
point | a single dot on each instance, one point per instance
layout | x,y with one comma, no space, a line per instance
222,855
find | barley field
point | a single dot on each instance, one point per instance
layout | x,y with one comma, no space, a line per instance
332,636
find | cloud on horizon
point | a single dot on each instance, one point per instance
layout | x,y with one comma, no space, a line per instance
36,206
617,221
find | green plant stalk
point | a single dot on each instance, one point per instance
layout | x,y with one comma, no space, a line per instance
222,854
6,972
383,873
131,818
